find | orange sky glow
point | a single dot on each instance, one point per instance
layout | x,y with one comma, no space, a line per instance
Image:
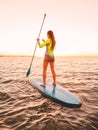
74,22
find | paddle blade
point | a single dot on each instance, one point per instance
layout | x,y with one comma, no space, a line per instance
28,72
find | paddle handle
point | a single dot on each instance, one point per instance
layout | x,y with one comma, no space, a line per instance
38,37
42,25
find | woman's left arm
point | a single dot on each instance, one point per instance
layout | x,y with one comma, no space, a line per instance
44,43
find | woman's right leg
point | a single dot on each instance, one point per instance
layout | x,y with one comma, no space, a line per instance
53,72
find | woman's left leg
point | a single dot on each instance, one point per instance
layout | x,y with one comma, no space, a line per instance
45,65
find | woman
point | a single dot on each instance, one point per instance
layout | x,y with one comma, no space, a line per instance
49,56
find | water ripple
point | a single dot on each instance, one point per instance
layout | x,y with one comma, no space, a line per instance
23,108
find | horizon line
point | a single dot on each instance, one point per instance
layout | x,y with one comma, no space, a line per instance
66,55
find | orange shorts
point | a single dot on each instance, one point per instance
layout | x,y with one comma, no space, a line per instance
48,58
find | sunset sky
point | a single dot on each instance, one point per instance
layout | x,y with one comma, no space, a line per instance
74,22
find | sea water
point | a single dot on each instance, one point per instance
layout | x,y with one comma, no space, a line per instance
22,107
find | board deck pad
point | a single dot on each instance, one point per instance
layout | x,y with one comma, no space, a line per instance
57,93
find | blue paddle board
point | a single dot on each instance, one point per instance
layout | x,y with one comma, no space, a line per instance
57,93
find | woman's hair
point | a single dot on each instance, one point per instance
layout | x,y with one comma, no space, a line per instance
51,35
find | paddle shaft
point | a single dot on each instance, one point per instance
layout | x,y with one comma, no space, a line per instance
38,37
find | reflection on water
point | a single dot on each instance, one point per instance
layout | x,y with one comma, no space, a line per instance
53,90
22,107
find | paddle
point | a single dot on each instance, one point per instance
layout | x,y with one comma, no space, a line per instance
28,72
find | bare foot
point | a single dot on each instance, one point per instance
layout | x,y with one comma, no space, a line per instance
43,85
54,84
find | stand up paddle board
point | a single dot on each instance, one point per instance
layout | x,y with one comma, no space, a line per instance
56,93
